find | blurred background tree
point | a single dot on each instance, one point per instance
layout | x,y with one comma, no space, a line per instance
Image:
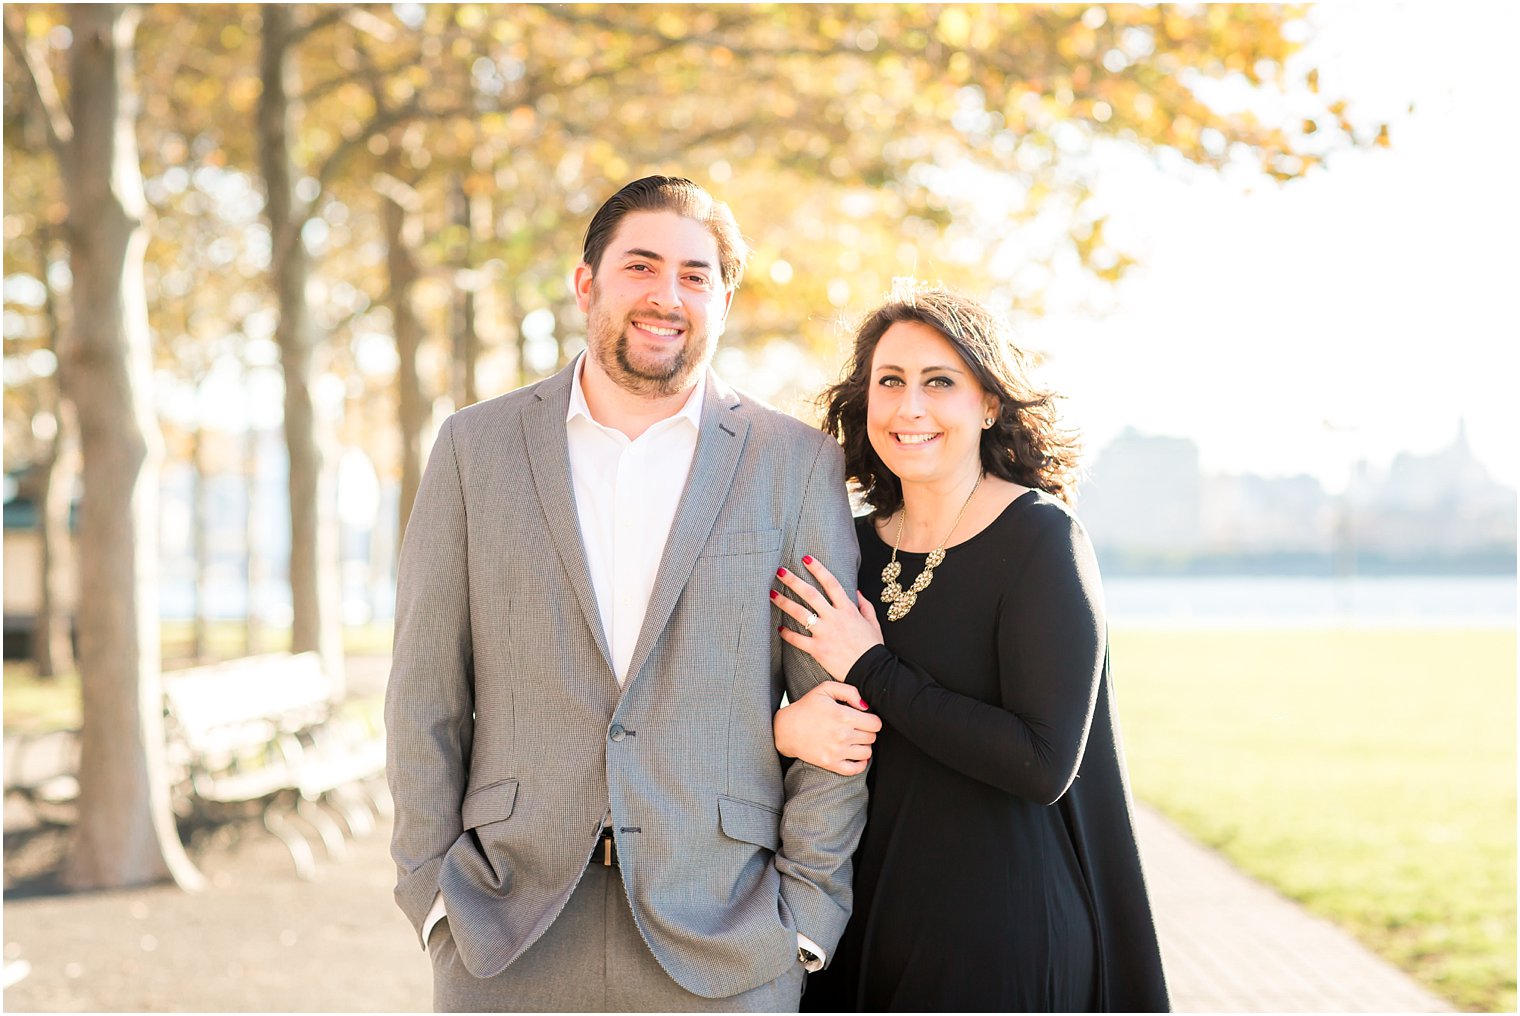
126,832
383,203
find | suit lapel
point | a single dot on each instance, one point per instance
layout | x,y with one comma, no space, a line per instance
549,461
720,439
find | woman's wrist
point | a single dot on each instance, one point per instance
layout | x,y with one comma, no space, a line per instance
781,730
863,666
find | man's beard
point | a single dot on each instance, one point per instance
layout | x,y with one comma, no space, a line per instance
615,356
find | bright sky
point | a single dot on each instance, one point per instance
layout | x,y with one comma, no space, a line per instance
1371,295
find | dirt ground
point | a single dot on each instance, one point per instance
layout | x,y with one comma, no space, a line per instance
257,939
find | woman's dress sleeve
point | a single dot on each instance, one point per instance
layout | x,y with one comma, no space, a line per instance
1050,640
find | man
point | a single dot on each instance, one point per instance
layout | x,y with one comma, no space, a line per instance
590,811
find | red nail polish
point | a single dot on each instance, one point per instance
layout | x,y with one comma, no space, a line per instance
780,573
807,558
780,628
775,595
863,704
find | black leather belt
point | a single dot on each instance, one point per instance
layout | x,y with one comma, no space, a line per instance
605,852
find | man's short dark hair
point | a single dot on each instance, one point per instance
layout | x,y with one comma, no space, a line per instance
670,194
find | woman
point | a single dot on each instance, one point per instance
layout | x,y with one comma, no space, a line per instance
998,870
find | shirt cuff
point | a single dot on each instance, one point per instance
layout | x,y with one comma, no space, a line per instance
816,965
433,917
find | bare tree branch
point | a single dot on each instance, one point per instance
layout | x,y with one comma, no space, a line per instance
60,130
330,16
366,75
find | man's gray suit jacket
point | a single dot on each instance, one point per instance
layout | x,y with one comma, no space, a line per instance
510,739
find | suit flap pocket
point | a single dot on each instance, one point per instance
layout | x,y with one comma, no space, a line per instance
491,803
761,541
751,823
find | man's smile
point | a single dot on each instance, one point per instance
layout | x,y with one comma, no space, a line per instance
662,331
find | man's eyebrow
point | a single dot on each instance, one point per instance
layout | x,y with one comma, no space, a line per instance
649,255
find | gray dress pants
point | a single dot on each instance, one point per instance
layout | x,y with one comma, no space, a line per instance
592,959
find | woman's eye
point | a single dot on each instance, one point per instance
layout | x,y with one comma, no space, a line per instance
940,382
890,382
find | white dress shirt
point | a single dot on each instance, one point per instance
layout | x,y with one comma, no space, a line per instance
626,493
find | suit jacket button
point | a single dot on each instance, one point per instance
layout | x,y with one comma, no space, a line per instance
615,732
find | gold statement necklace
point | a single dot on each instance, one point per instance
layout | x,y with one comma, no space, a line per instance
901,599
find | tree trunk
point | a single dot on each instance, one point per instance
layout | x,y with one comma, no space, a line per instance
198,534
315,589
53,646
521,346
126,833
253,572
568,320
466,338
403,231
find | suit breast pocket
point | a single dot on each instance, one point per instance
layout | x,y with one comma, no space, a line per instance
734,572
758,541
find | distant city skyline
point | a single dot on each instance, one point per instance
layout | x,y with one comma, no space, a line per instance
1348,316
1151,506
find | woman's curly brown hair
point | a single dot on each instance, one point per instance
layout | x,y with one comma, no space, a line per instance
1024,445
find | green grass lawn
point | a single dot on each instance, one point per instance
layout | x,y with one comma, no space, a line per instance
1369,775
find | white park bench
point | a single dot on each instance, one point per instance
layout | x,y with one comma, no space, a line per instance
260,736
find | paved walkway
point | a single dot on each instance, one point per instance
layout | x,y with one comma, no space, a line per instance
1230,944
258,939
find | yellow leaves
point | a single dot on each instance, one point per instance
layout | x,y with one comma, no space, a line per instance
243,93
1184,133
398,90
39,21
954,26
671,24
521,119
470,17
1382,140
1176,26
478,184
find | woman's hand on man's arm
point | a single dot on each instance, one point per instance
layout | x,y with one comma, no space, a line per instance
829,728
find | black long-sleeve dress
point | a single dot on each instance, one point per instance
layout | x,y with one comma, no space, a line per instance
998,870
